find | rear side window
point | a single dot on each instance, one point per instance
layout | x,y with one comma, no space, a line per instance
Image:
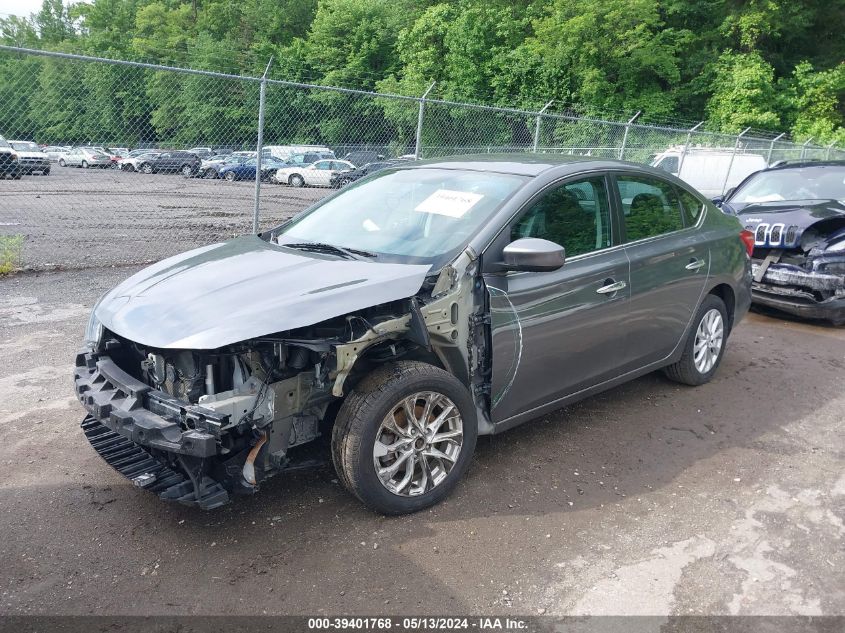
692,207
650,207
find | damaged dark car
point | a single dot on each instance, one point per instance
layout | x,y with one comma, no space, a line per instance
797,214
400,318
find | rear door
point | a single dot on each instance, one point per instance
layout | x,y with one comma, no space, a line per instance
669,265
557,333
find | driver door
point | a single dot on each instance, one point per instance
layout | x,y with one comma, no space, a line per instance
557,333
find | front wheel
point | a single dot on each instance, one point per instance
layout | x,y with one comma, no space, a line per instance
404,437
296,180
186,171
62,162
705,345
230,176
84,164
147,168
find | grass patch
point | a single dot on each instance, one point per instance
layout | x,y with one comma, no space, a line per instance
11,249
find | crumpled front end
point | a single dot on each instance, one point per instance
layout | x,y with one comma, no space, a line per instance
807,279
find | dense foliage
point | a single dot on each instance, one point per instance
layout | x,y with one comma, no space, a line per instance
770,64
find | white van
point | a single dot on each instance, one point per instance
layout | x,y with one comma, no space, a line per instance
284,152
705,168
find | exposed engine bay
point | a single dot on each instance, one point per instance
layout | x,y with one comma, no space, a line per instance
231,417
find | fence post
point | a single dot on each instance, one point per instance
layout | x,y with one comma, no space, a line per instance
262,93
418,146
625,136
804,147
537,125
731,163
686,146
772,146
829,147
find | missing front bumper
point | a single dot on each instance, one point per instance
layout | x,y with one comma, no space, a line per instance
140,432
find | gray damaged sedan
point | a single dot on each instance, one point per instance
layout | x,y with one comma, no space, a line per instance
395,321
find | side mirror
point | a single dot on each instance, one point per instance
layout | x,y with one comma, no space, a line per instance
534,255
718,200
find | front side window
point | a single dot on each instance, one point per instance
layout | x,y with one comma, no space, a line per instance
650,207
575,215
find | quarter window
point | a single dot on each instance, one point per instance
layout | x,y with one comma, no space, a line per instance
650,207
575,215
692,207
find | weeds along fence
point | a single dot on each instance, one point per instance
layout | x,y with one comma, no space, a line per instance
90,213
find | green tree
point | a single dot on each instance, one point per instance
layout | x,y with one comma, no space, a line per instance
744,95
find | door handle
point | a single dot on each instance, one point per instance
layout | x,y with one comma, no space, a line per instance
695,264
611,288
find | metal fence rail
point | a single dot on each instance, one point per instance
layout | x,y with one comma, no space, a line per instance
84,214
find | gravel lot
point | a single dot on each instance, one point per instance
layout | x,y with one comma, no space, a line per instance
80,218
649,499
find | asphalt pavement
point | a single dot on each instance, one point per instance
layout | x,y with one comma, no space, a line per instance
652,498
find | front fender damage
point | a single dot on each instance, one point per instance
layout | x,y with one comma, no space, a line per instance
449,322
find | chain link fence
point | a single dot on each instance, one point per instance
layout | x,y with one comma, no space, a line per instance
127,163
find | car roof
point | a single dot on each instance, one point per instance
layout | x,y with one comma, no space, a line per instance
795,164
523,164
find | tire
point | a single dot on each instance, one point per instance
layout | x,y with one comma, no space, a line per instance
345,181
84,164
688,371
230,176
129,167
46,172
147,168
296,181
62,162
187,172
209,174
360,422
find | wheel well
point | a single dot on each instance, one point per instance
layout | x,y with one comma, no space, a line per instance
726,294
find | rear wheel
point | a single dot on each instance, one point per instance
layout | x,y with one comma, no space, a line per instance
345,181
230,176
296,180
84,164
62,162
46,172
147,168
705,345
187,171
404,437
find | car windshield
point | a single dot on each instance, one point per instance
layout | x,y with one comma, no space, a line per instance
410,215
823,182
25,146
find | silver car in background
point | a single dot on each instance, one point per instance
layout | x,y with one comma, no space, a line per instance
32,158
85,157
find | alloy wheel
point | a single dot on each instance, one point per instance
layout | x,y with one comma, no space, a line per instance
708,340
418,444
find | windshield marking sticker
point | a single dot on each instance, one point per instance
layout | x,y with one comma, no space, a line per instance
448,202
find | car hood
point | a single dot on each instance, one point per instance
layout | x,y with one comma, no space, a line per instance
795,216
246,288
801,213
